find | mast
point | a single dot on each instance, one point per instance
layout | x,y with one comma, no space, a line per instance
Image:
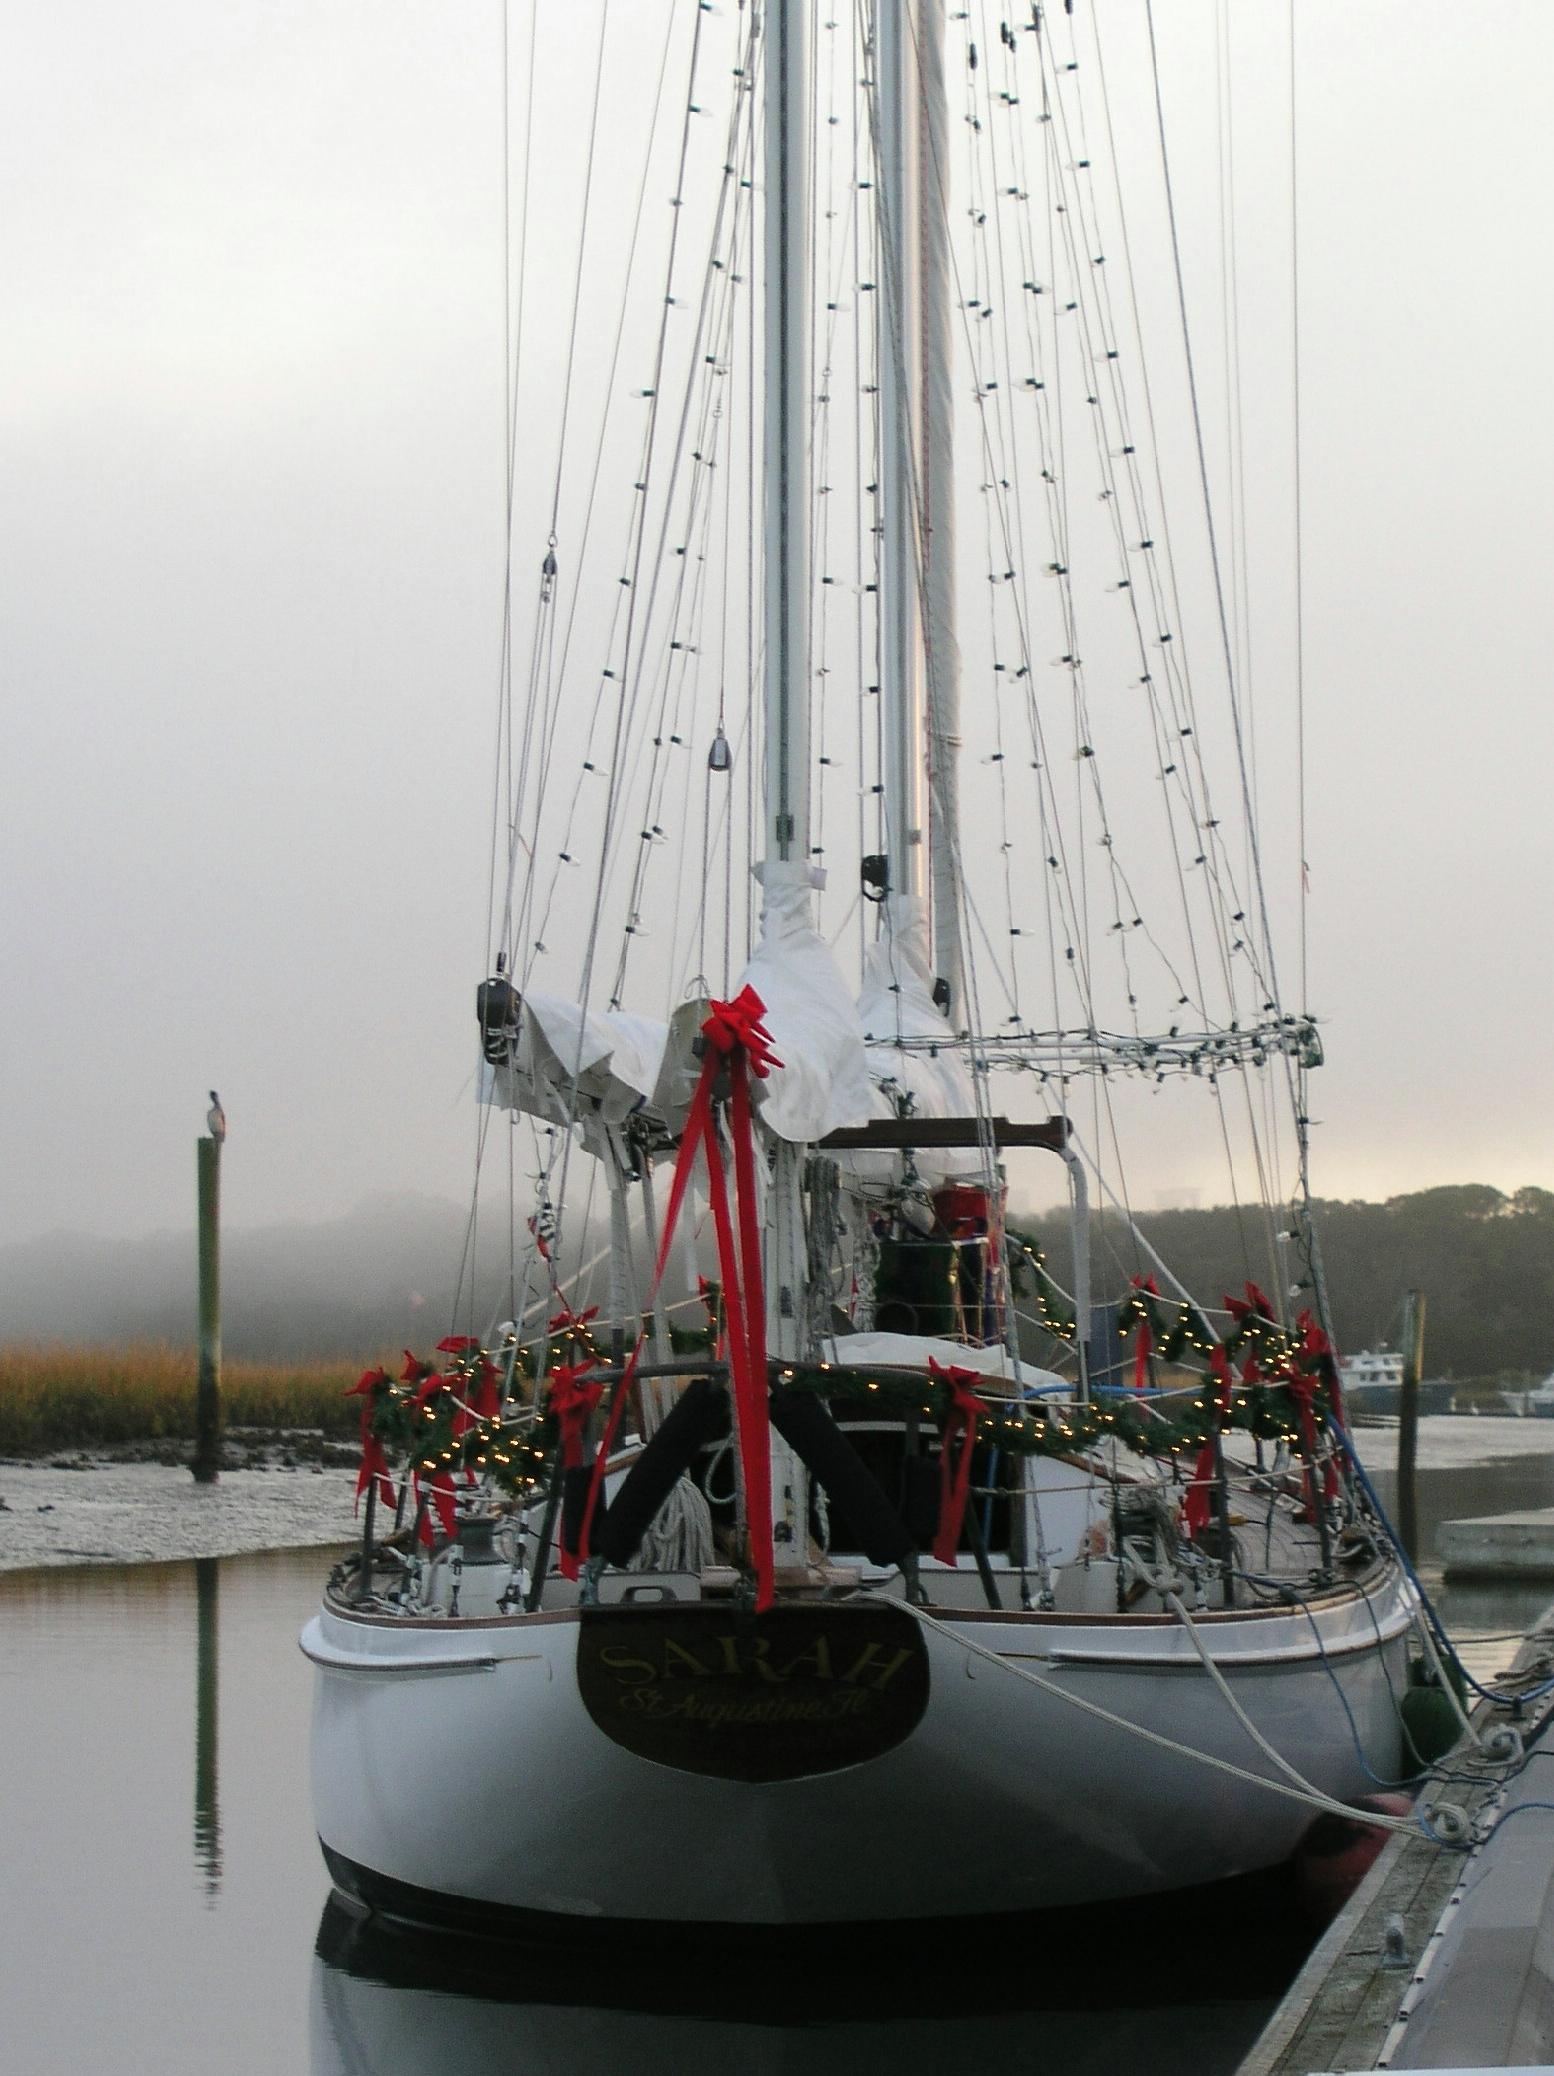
786,683
903,686
943,648
786,431
921,662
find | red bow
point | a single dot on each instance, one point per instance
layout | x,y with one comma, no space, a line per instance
567,1321
1314,1364
735,1034
1144,1348
960,1422
457,1344
440,1490
1254,1304
373,1471
488,1394
1312,1339
739,1023
573,1404
1195,1508
431,1383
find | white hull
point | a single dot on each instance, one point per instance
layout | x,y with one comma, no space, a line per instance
458,1761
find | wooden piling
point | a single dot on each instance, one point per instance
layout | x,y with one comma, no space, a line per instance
207,1794
207,1406
1408,1423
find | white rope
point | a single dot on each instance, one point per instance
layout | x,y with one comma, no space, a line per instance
679,1537
1269,1752
1312,1797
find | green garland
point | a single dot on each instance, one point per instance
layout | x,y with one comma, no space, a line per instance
1144,1425
1177,1327
422,1416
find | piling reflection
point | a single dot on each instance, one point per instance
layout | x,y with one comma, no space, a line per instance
207,1775
397,2002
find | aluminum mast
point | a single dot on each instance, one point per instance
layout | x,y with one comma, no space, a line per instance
921,660
786,682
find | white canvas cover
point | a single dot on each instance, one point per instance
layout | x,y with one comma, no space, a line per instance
615,1060
623,1063
897,1002
914,1351
823,1082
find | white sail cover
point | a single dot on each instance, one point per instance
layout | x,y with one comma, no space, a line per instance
571,1065
870,1351
841,1062
823,1082
621,1064
897,1002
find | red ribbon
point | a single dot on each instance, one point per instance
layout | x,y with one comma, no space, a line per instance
1195,1508
1321,1356
431,1383
374,1467
567,1321
441,1492
960,1423
1144,1348
736,1039
488,1394
573,1404
1253,1305
457,1344
1302,1390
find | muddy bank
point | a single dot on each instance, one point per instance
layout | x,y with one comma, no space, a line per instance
85,1510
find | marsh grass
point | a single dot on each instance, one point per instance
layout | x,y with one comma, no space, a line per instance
54,1395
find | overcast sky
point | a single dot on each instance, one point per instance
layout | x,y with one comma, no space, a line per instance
251,391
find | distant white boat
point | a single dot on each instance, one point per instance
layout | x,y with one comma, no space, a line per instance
1536,1404
1372,1369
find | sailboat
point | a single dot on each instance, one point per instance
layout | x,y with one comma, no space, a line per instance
849,1552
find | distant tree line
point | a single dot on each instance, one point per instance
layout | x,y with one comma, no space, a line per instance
1484,1260
389,1276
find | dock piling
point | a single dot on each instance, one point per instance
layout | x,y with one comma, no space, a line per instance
207,1406
1408,1422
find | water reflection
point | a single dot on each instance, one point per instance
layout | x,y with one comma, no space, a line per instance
129,1693
207,1722
398,2003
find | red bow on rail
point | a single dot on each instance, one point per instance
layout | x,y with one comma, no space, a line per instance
1144,1347
374,1469
961,1415
735,1039
573,1404
1195,1508
567,1321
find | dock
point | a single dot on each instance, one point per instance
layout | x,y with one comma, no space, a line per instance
1499,1546
1431,1964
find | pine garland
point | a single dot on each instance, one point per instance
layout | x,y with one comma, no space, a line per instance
426,1416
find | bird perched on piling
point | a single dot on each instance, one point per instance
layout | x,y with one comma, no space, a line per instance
216,1118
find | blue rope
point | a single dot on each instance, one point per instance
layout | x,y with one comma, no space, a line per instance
1436,1624
1436,1771
1506,1816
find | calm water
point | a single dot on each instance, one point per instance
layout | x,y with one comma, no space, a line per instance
164,1896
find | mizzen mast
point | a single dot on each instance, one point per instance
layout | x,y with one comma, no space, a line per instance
786,439
920,661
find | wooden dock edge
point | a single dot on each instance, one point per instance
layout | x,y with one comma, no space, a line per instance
1342,2006
1359,1928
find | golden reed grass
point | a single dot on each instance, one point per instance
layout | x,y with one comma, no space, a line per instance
55,1395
